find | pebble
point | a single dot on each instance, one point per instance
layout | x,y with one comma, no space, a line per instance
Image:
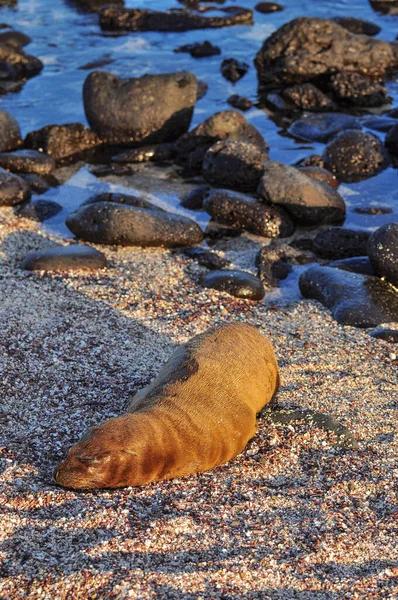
65,258
13,189
39,210
237,283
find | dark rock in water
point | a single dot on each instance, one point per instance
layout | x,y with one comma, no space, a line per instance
150,153
27,161
65,258
202,89
391,140
8,2
10,133
240,102
149,109
321,175
229,124
40,210
22,65
72,140
381,123
356,300
215,232
358,26
244,213
233,69
206,258
13,189
194,200
356,90
321,128
356,264
95,5
310,202
355,155
112,169
306,96
200,50
37,184
234,164
127,199
386,334
309,48
114,223
114,18
268,7
385,6
373,210
17,38
314,160
336,242
383,252
237,283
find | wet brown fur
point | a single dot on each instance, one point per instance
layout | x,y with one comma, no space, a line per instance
198,413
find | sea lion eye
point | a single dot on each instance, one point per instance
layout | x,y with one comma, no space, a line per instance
102,458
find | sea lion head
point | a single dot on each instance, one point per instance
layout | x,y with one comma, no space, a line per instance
105,457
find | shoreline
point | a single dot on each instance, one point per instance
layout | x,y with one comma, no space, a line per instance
290,517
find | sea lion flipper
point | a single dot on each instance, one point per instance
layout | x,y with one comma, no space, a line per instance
323,421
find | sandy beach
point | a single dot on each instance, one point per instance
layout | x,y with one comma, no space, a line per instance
291,517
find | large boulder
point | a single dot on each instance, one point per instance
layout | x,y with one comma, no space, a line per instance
10,133
114,18
354,155
308,48
148,109
309,201
227,125
383,252
234,164
354,299
126,225
68,141
353,89
245,213
13,189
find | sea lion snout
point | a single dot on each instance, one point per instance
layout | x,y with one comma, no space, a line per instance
82,471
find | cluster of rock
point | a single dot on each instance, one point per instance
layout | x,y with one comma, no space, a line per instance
311,64
15,65
319,64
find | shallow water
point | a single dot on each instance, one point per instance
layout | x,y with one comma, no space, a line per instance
67,39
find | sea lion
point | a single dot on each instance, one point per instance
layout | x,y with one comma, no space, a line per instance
199,413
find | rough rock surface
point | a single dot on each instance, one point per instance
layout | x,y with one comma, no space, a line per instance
237,283
320,174
235,164
307,48
383,252
13,189
149,153
310,202
353,89
245,213
356,300
27,161
17,63
240,102
357,26
229,124
10,133
233,69
321,128
306,96
385,6
65,258
40,210
113,18
336,243
128,199
114,223
96,5
354,155
148,109
72,140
